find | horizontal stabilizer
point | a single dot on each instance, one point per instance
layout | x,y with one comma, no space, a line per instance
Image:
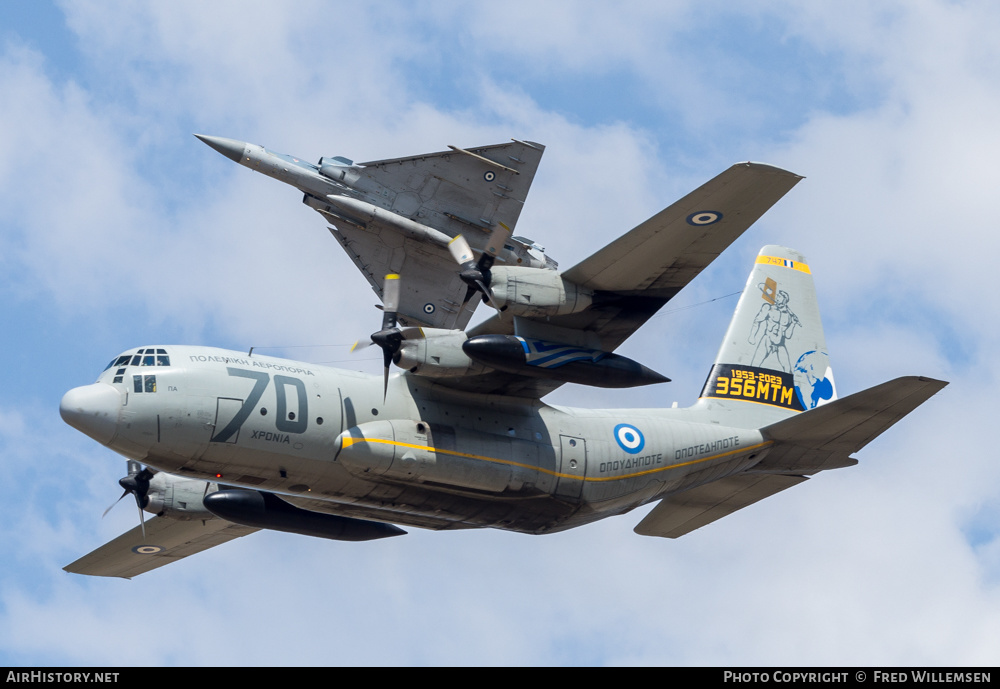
680,514
825,437
165,541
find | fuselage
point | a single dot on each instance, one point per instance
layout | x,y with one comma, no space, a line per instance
324,439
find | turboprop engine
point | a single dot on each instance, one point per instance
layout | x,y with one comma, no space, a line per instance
436,353
178,498
164,494
536,293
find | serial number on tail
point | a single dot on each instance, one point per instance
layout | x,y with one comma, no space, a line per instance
751,384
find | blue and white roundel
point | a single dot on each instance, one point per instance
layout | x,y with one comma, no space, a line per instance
147,549
629,438
704,218
428,308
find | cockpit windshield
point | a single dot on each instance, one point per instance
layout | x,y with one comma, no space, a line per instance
149,356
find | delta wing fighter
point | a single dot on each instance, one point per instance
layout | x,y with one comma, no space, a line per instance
220,443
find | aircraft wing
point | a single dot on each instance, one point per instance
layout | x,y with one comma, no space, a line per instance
459,191
166,541
636,274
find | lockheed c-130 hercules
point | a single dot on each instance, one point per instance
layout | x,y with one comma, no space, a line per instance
460,438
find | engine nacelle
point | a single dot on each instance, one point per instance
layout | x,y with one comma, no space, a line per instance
178,498
436,353
537,293
420,452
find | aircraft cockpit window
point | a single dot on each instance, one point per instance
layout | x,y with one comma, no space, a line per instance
144,383
148,356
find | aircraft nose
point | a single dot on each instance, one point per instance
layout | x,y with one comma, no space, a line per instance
231,148
93,410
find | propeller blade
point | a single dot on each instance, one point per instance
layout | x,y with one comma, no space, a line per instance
390,292
477,275
488,296
495,244
390,337
113,504
460,250
136,483
142,519
386,360
390,301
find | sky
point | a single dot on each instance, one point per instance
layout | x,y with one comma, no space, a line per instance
118,229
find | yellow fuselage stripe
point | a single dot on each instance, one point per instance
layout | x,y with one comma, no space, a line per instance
496,460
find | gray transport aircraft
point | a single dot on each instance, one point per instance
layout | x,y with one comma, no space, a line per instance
221,443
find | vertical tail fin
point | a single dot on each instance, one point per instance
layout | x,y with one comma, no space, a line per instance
773,361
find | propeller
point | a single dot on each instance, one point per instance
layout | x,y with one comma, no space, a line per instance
476,274
390,337
136,483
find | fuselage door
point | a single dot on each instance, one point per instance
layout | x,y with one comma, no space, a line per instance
572,466
225,413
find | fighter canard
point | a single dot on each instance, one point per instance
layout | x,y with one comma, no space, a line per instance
221,443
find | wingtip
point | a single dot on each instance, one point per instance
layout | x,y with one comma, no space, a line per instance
767,167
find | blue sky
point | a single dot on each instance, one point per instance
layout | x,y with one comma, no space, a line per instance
118,228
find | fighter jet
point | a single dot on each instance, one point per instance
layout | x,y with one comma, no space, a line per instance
402,216
221,443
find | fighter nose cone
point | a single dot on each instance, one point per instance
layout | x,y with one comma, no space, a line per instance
93,410
231,148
